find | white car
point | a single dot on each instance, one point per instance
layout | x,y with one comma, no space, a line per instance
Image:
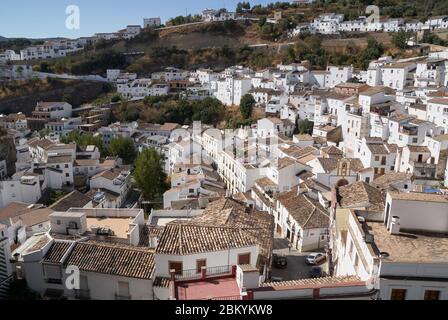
315,258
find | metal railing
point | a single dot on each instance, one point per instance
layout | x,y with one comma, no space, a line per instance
194,274
228,298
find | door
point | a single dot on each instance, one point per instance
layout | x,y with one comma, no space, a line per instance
199,264
279,229
177,266
123,290
244,259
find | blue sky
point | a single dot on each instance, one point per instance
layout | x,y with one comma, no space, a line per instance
46,18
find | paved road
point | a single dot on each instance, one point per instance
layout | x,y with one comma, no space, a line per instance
297,267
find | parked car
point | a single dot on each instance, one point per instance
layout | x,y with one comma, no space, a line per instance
280,261
316,272
316,259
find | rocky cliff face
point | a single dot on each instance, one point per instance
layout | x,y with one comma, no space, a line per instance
8,151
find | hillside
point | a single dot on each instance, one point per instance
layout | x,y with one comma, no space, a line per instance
213,45
22,96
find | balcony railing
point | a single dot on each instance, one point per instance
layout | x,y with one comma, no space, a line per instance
194,274
228,298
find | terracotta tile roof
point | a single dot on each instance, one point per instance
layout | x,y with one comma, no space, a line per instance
230,216
162,282
285,162
265,182
12,210
377,148
186,239
108,174
57,251
118,260
147,232
416,196
34,217
86,163
59,159
74,199
304,137
42,143
307,212
372,91
169,126
419,149
319,282
330,164
248,268
384,182
439,101
361,195
332,150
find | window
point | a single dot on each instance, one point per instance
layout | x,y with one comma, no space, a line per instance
123,290
177,266
432,295
199,264
377,158
244,259
398,294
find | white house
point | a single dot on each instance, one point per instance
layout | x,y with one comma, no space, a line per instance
302,220
113,185
437,112
152,22
374,153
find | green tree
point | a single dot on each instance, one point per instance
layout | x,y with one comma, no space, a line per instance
241,6
123,148
401,38
149,175
246,105
83,139
116,98
306,127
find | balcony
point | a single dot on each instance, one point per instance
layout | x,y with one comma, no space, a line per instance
216,283
193,274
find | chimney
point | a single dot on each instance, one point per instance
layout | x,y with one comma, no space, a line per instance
395,225
154,242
